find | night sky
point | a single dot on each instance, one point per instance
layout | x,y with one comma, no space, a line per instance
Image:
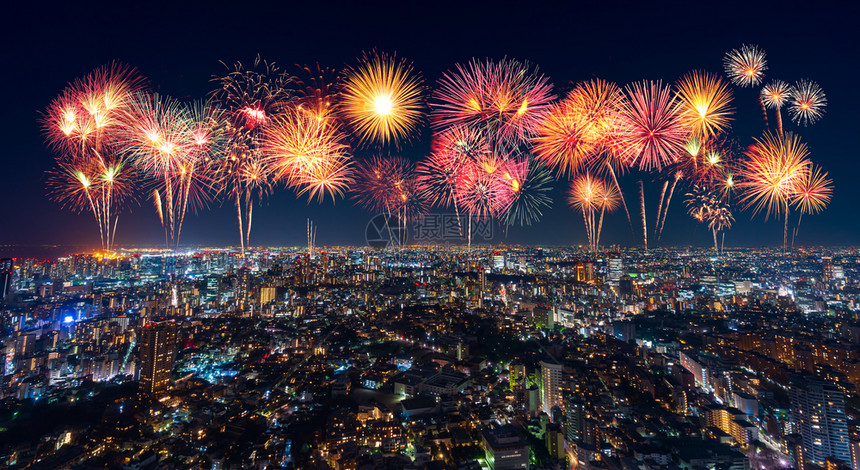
178,48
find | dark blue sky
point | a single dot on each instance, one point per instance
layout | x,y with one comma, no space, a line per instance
178,48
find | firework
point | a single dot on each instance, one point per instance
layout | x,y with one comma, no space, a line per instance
507,97
775,167
593,198
775,95
461,142
317,91
174,145
308,153
251,97
560,140
705,204
807,102
438,175
480,190
531,194
651,126
389,185
91,187
580,127
813,192
382,99
705,104
812,195
83,125
745,67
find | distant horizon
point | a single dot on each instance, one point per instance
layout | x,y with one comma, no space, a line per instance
25,251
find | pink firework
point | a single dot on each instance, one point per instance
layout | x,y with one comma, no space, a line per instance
651,131
480,190
507,97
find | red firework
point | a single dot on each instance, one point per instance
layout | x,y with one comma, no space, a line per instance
389,185
651,131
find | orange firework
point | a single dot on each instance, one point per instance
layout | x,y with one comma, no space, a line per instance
308,153
593,198
705,104
580,127
561,139
382,99
813,192
776,167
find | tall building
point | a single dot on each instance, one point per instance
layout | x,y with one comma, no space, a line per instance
827,268
157,352
818,414
574,417
6,269
482,281
550,372
614,270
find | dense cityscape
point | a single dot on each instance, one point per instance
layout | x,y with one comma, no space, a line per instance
494,357
471,236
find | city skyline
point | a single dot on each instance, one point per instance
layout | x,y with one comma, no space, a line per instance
281,220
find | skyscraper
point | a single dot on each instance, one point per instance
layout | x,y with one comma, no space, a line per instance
6,268
827,268
614,270
550,385
818,414
157,352
574,417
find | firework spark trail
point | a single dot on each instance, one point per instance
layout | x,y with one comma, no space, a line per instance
666,208
644,223
660,208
